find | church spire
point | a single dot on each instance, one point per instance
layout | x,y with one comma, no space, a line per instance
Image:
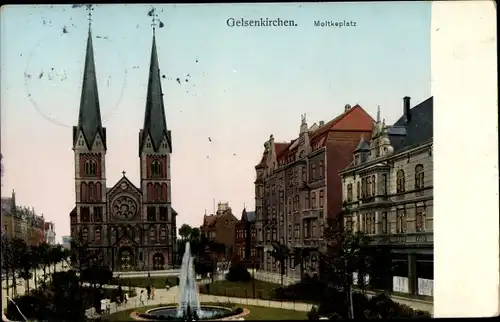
155,123
89,117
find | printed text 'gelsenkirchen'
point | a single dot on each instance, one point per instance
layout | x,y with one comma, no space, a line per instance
262,22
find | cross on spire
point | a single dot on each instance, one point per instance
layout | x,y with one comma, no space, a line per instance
89,9
154,17
123,172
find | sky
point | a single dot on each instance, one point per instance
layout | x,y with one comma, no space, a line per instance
236,86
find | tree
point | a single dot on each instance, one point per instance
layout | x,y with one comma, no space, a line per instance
195,233
185,231
280,253
299,255
346,254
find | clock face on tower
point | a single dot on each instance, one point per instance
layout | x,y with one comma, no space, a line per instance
124,208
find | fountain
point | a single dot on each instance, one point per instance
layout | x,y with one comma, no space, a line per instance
188,308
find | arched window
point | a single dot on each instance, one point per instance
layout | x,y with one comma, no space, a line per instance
98,190
84,191
157,191
156,169
163,233
152,234
400,181
419,176
112,234
91,191
90,168
150,192
164,192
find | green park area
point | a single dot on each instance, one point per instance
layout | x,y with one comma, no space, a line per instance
256,312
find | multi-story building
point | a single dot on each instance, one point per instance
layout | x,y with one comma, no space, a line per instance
219,227
126,226
245,237
50,233
298,186
388,194
21,222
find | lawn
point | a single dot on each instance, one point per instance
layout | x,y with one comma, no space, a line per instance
256,313
157,281
263,290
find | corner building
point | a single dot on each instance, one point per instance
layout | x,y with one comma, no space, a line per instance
298,187
127,227
388,195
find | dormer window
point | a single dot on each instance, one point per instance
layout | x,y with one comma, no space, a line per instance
156,169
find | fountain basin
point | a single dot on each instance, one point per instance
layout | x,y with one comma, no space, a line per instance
170,313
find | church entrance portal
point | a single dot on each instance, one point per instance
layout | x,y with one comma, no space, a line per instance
158,261
125,258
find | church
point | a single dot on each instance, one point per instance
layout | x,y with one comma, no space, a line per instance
126,227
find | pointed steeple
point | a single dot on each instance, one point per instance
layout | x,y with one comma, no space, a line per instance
155,122
89,117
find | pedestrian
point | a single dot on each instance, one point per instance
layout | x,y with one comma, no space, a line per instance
167,284
120,294
141,298
153,292
148,290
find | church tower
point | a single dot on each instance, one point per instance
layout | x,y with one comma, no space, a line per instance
155,147
89,146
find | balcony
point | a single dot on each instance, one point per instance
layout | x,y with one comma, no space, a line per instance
310,243
407,239
312,214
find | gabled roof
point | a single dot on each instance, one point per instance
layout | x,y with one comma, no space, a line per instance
346,121
363,145
119,182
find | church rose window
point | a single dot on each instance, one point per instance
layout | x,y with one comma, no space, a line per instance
124,207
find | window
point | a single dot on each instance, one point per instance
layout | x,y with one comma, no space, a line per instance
363,188
358,222
420,219
368,186
156,169
400,221
289,231
304,175
91,192
90,168
85,214
97,214
384,222
85,234
348,224
349,192
400,181
282,197
313,229
297,231
383,187
313,200
313,171
163,213
157,191
307,204
275,234
152,234
419,176
268,234
98,234
151,214
358,190
373,185
321,198
307,231
163,232
321,170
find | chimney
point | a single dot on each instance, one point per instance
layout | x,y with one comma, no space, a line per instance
406,109
321,123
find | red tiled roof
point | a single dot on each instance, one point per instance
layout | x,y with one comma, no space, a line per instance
348,120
